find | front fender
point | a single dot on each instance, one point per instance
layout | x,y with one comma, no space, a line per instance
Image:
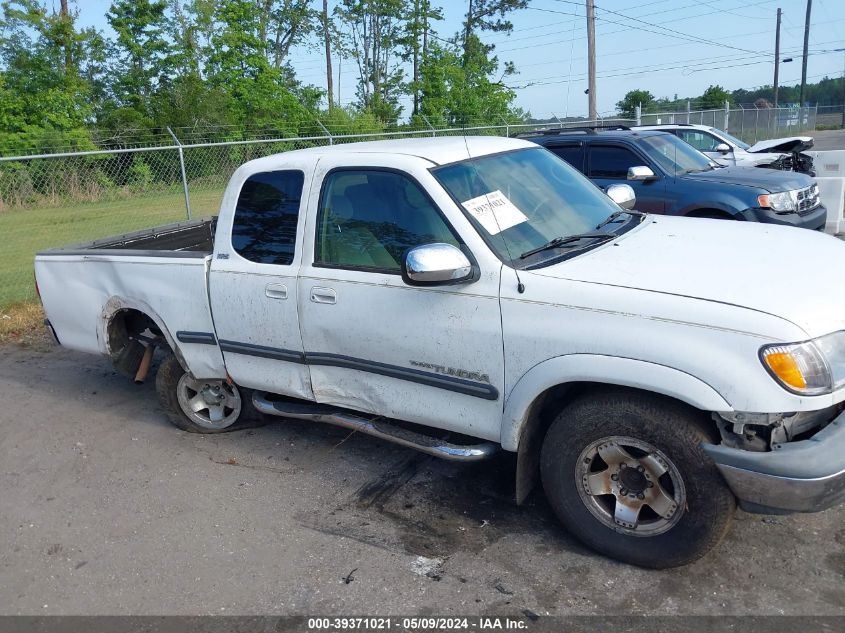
612,370
698,196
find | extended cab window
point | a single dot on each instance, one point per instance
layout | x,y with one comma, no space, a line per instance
369,219
607,161
264,228
572,154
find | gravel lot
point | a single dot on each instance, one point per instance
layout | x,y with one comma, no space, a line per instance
107,509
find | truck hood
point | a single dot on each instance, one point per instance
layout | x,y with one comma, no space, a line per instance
788,144
782,271
771,180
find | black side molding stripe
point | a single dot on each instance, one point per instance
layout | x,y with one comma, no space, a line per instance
200,338
449,383
262,351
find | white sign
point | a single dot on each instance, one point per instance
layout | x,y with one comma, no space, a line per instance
494,212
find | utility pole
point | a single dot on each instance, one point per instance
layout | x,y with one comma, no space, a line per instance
329,77
591,58
804,60
843,94
777,57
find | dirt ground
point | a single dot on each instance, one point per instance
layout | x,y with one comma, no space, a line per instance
107,509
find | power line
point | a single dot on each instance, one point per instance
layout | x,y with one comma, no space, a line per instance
654,48
566,41
628,28
670,32
618,72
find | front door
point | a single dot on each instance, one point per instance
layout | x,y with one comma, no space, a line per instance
608,165
431,355
253,287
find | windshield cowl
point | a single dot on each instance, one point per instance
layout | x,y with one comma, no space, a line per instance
555,255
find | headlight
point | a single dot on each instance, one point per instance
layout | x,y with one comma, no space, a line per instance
785,201
810,368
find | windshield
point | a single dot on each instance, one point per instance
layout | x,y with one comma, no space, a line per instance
732,139
521,200
674,155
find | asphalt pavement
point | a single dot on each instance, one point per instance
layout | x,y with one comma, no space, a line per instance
828,139
107,509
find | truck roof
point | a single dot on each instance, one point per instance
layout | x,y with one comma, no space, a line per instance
438,150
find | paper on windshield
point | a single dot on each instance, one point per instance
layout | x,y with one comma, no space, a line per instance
494,212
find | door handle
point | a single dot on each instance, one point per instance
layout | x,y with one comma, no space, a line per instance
323,295
276,291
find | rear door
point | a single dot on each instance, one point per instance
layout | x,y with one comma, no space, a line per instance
572,152
608,164
252,282
706,143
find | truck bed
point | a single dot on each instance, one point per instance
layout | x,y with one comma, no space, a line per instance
160,272
194,238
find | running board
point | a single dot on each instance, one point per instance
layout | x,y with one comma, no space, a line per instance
376,427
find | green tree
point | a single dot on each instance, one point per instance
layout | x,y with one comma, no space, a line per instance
628,106
186,57
414,41
714,97
141,50
284,24
46,78
457,88
488,15
239,63
371,34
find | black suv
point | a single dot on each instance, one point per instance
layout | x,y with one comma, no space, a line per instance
673,178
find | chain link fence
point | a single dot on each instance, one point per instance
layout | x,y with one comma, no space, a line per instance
749,124
66,197
832,116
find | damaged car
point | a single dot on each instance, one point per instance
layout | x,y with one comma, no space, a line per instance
786,153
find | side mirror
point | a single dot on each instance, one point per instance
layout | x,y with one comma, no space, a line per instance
640,173
723,148
436,264
623,195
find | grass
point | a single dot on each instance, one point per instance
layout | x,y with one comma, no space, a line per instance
23,323
25,232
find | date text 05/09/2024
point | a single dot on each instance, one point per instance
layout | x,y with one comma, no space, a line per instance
481,623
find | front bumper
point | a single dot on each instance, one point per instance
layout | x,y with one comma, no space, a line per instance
802,476
814,220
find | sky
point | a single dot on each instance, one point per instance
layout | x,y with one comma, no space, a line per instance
668,47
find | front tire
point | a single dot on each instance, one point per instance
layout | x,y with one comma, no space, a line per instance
625,473
203,406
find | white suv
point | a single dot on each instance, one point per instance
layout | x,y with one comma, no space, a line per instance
779,153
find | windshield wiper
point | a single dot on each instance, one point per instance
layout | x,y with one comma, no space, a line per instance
612,217
563,241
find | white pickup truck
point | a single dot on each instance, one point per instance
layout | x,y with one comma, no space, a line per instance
466,295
